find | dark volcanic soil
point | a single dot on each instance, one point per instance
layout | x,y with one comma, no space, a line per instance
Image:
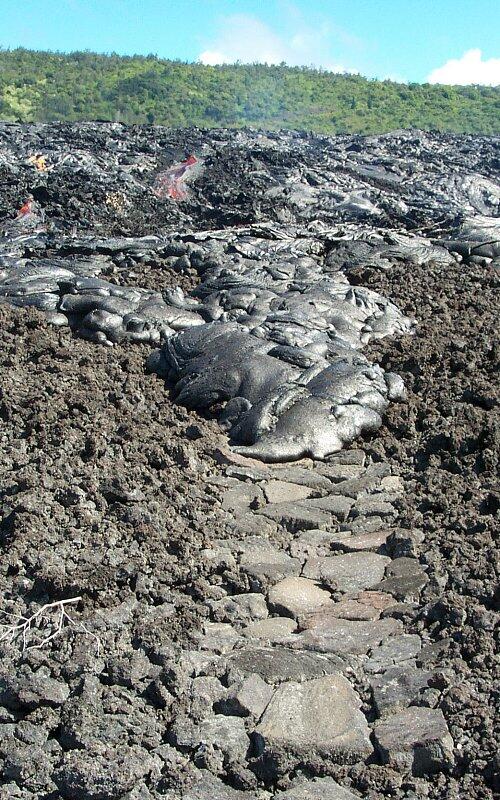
447,438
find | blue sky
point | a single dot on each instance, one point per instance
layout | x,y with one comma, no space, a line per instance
449,41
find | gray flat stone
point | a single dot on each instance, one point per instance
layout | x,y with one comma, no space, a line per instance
266,564
295,517
317,789
284,492
277,664
325,633
271,630
340,472
396,688
348,543
311,544
395,650
416,740
242,498
404,587
365,606
373,505
219,637
319,718
337,505
347,573
347,457
303,477
239,608
208,787
295,596
247,698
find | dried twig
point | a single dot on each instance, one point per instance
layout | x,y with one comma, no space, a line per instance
49,621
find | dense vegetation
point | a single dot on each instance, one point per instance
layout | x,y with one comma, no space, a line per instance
40,86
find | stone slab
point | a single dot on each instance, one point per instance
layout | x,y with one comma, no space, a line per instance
296,517
348,543
319,718
347,573
397,688
416,740
317,789
277,491
277,664
295,596
272,630
325,633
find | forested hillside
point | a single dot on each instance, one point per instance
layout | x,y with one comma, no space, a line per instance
39,86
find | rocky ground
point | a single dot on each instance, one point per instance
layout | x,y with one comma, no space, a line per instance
320,628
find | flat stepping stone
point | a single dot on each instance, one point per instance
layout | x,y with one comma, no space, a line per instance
319,718
207,787
336,505
347,457
365,606
284,492
340,472
272,630
241,498
247,698
295,517
317,789
373,505
347,573
297,475
416,741
295,596
349,543
265,564
404,587
325,633
278,664
397,688
395,650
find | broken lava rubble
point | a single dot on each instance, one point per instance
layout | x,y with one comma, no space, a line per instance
263,613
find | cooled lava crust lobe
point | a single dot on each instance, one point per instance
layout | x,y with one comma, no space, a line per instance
263,613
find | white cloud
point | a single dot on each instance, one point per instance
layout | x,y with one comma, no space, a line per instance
245,38
467,70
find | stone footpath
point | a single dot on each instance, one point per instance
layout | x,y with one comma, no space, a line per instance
305,665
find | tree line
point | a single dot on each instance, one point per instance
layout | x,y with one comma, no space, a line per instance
40,86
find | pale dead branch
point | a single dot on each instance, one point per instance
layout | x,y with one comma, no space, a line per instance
43,625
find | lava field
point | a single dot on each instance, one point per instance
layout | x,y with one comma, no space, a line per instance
249,452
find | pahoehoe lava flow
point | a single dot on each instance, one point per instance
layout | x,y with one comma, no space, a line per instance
274,328
207,592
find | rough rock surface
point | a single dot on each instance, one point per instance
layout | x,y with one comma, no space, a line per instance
154,686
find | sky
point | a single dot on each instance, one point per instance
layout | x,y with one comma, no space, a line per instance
438,41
